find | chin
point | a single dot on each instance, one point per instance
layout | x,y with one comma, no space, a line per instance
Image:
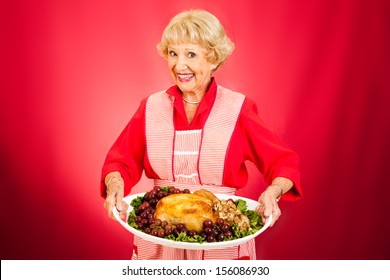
184,87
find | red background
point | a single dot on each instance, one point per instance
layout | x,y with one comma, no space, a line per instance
73,73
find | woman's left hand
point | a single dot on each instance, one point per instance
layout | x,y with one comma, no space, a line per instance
269,205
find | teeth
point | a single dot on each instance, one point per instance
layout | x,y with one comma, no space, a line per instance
185,77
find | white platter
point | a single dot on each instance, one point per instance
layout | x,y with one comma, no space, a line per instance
251,204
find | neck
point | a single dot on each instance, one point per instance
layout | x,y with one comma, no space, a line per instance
196,96
190,102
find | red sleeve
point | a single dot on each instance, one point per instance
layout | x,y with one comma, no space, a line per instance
127,153
253,141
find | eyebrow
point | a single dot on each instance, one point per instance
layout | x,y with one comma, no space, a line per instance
188,49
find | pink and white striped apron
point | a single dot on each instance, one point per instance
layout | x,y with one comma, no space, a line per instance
192,159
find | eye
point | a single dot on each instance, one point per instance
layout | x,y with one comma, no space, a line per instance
172,53
191,55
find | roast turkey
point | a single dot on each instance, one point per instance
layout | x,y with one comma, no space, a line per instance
189,209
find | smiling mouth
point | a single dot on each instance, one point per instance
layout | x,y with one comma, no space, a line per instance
185,77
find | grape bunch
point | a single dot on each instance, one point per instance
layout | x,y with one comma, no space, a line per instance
219,231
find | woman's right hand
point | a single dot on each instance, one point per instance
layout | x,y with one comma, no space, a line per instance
115,192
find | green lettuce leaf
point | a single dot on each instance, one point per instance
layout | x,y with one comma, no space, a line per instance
136,202
131,219
186,238
254,219
165,188
241,205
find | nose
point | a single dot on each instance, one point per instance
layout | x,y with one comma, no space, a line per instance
181,67
181,63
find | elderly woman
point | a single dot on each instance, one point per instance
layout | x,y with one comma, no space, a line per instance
198,135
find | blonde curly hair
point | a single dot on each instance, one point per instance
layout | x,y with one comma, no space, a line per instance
197,27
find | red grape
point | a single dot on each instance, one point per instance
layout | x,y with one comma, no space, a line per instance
220,237
225,228
160,195
210,238
140,226
144,215
157,222
153,202
146,204
161,233
175,232
180,226
220,222
145,222
152,194
208,231
208,223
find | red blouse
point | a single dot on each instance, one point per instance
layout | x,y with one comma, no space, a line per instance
251,140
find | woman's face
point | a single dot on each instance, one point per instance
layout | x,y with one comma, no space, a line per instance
189,68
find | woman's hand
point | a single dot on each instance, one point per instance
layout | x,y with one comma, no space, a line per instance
115,192
268,201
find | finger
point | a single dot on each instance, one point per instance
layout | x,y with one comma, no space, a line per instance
117,187
123,213
109,204
267,206
269,209
260,211
264,218
259,208
276,213
119,202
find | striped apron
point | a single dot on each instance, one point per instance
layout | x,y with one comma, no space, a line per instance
191,159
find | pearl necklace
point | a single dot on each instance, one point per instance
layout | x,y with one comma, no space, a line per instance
190,102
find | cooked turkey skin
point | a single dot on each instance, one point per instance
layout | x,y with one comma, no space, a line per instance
189,209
